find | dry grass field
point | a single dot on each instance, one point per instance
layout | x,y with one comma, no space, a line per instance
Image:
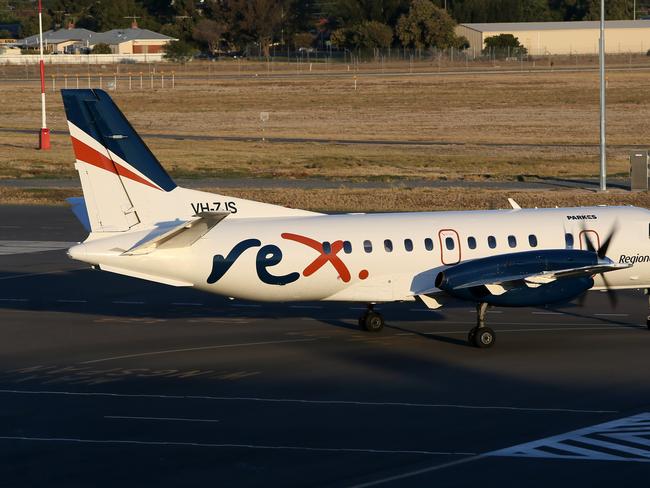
488,125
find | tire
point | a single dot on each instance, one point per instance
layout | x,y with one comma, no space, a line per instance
471,336
484,338
362,321
374,322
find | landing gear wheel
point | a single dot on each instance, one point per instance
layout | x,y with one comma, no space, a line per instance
373,322
484,337
362,321
471,336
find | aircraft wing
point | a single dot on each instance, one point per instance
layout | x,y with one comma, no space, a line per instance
180,235
505,283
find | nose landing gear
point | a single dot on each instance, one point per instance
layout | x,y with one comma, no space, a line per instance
481,336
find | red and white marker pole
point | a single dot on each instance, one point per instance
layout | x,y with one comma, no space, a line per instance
44,137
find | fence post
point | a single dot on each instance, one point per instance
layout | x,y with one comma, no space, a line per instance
173,80
53,83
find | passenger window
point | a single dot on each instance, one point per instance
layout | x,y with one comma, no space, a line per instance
449,243
428,244
367,246
532,240
568,240
471,243
388,245
512,241
408,245
492,242
347,247
327,247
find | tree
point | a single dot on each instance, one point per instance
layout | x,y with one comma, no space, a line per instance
354,12
426,25
210,33
259,20
101,48
503,45
614,10
303,40
178,51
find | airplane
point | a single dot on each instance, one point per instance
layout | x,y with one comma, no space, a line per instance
142,225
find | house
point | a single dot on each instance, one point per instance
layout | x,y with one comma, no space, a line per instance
61,41
133,40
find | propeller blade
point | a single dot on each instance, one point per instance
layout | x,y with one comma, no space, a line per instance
611,294
602,252
590,245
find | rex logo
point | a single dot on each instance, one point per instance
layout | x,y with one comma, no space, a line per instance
270,255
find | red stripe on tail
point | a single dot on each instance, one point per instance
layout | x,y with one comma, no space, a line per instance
87,154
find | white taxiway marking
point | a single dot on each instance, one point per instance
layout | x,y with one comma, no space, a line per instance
189,349
303,401
420,471
14,299
174,419
611,314
600,442
239,446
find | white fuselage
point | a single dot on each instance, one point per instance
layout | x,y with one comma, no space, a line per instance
278,259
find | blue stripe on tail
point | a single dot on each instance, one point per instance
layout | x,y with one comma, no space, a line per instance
95,113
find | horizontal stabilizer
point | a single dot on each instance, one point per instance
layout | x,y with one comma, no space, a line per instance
80,211
180,235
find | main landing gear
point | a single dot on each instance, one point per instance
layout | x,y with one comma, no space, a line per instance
647,322
371,321
481,336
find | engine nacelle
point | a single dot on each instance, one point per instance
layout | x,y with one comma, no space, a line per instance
497,268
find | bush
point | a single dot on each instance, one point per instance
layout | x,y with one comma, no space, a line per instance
179,51
101,48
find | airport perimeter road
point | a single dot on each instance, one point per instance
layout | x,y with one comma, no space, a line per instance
109,381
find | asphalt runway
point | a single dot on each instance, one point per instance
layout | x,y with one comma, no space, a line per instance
111,381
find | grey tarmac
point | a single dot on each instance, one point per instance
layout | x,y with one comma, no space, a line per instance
106,381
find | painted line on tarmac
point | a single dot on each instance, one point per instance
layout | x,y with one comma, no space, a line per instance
191,349
29,275
233,446
611,315
14,299
173,419
546,329
420,471
304,401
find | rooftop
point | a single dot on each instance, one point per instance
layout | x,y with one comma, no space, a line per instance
524,26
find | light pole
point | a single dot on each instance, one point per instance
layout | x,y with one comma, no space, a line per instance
44,137
603,156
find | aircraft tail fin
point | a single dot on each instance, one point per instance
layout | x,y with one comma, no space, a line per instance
124,185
